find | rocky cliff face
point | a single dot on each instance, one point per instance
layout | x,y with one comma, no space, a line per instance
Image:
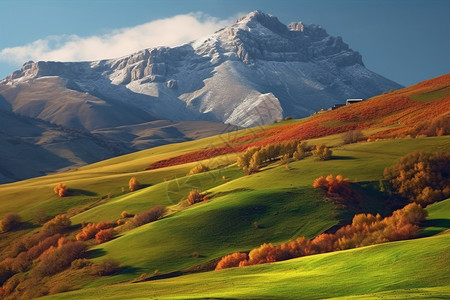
253,72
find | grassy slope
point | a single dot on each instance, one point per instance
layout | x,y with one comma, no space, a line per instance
225,224
397,270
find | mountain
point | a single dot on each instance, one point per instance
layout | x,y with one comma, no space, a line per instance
253,72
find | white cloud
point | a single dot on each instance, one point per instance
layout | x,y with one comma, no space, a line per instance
170,32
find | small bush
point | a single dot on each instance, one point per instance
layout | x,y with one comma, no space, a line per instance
59,224
60,189
10,221
126,214
80,263
200,168
322,152
352,136
104,225
87,233
194,197
150,215
106,267
105,235
134,184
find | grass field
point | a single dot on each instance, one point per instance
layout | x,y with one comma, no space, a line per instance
397,270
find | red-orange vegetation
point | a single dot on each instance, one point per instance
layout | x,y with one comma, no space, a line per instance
397,109
134,184
60,189
366,229
149,216
337,187
87,233
58,258
105,235
231,261
195,196
422,177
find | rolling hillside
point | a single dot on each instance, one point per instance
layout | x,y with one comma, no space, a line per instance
275,205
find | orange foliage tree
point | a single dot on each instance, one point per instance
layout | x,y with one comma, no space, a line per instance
337,187
60,189
422,177
105,235
133,184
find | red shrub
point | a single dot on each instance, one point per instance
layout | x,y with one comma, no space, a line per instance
150,215
231,261
88,232
105,235
56,259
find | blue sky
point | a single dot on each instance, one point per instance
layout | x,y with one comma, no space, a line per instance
404,40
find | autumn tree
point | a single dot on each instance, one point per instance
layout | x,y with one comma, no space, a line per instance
421,177
60,189
255,163
105,235
322,152
134,184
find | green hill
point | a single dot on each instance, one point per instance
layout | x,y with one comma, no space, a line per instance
397,270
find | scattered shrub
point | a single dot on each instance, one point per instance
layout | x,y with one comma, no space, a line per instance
87,233
105,235
150,215
60,189
200,168
106,267
59,224
322,152
421,177
134,184
80,263
126,214
352,136
194,197
9,222
104,225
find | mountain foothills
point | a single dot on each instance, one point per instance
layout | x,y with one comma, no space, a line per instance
348,203
254,72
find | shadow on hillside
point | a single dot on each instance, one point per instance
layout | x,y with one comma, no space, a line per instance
341,157
440,224
94,253
78,192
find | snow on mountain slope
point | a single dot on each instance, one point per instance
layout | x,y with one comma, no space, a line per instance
253,72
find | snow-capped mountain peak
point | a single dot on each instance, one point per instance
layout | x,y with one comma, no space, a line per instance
252,72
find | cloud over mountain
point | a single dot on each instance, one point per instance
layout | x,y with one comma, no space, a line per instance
170,32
